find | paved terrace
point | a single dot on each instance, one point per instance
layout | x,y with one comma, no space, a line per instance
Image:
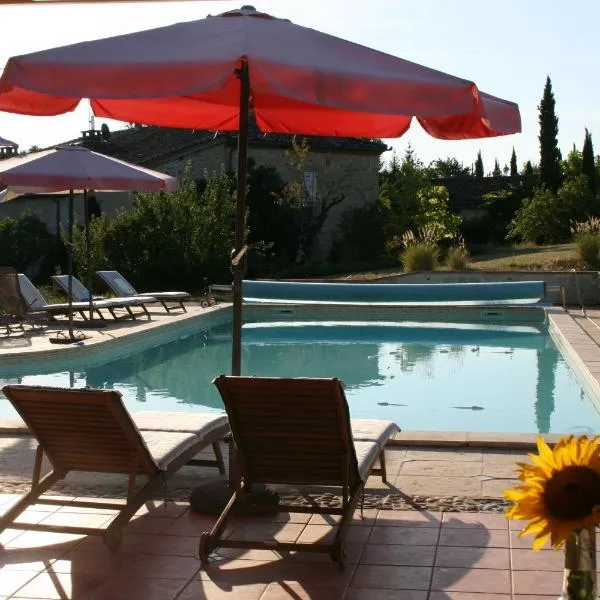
439,551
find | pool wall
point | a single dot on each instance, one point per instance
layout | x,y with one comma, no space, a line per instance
110,346
331,312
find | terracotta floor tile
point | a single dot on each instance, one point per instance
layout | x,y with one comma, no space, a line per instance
353,554
248,554
315,574
486,581
480,558
288,518
467,596
61,586
474,538
281,532
207,590
368,519
93,520
415,536
150,524
161,567
525,543
191,524
8,535
158,508
29,559
474,521
357,534
11,581
88,563
374,594
397,578
297,591
129,588
536,596
544,560
389,554
37,539
538,582
408,518
157,544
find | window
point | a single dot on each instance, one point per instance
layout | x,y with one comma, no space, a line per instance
310,187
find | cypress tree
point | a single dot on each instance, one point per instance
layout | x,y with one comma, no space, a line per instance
496,172
479,165
550,156
588,168
514,171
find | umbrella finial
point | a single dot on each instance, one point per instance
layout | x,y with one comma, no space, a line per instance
248,8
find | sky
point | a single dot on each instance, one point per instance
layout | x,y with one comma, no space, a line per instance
507,48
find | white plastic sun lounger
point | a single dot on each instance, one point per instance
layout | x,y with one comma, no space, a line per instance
120,286
79,293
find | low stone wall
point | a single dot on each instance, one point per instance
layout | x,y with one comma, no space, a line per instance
581,287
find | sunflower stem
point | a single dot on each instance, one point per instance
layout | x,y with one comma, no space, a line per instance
579,581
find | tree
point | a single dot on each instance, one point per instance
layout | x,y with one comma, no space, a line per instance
514,171
446,168
479,165
496,172
550,175
168,240
309,202
588,167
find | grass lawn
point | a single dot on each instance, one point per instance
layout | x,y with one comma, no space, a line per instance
529,258
560,257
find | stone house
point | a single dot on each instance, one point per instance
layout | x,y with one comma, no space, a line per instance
466,193
347,166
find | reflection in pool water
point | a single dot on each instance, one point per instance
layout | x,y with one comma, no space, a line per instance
424,376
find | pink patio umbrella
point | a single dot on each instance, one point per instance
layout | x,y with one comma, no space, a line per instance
209,74
75,168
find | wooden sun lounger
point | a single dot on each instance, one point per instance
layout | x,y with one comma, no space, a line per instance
121,287
14,310
296,432
90,430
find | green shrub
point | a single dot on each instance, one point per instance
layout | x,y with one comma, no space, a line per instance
419,256
457,258
588,249
26,245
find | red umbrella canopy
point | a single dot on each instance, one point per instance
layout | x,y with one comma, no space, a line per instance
76,167
301,81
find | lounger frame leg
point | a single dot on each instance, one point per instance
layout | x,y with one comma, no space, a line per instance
211,541
381,470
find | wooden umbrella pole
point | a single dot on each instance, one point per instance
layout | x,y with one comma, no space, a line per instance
86,209
238,266
70,263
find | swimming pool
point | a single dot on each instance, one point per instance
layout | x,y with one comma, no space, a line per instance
481,372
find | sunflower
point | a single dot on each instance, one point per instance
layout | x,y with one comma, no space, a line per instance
559,492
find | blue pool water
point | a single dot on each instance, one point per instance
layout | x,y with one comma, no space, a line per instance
425,376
